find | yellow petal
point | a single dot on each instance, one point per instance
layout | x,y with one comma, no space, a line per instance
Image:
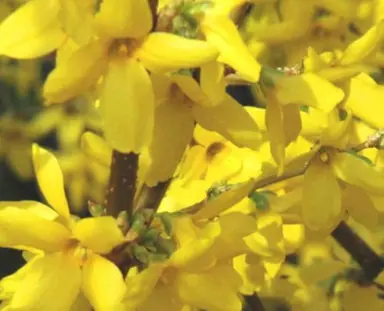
230,120
360,207
32,31
127,106
356,298
100,234
321,197
363,175
275,125
224,201
24,227
103,284
140,286
172,133
96,147
213,290
55,273
191,89
212,81
314,91
222,33
161,52
76,74
194,244
365,46
124,19
292,122
50,180
365,100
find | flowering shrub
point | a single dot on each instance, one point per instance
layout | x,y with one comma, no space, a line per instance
194,201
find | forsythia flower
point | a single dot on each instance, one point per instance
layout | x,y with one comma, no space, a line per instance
72,264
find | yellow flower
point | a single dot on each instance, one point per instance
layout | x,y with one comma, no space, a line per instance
39,27
181,103
121,53
72,262
17,136
190,277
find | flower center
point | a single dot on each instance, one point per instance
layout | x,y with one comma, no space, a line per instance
78,252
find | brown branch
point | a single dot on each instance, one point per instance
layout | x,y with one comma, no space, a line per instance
371,263
254,303
121,189
150,197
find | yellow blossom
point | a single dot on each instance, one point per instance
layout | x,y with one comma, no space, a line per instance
72,262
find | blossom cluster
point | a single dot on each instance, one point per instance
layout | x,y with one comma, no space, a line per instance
194,201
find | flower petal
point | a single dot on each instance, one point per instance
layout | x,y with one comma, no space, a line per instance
32,31
173,131
363,175
103,284
100,234
360,206
321,196
214,290
314,91
127,106
215,206
222,33
24,227
55,273
76,74
140,286
212,81
50,180
232,121
162,52
365,100
365,46
124,19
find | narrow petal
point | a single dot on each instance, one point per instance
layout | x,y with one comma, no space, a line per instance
162,52
76,74
222,33
314,91
55,273
212,81
103,284
214,290
360,206
292,122
124,19
32,31
215,206
274,121
363,175
127,106
96,147
365,100
191,89
23,227
321,196
34,207
232,121
50,180
172,133
194,245
365,46
140,286
100,234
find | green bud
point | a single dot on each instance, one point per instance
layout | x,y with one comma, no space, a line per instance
260,199
141,253
138,223
166,220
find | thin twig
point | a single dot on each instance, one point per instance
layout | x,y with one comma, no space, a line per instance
254,302
371,263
